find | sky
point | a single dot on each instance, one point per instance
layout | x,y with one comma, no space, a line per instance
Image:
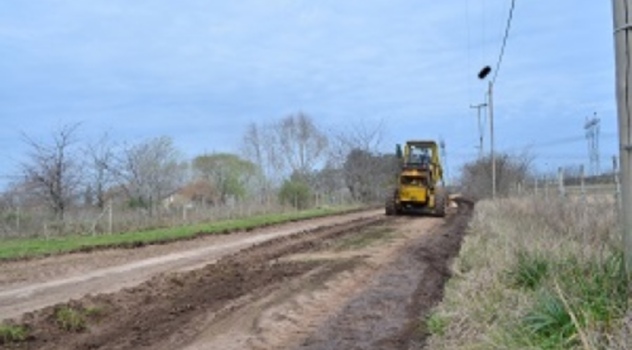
201,71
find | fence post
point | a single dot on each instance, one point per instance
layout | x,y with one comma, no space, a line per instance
617,183
560,181
535,186
110,218
582,185
17,220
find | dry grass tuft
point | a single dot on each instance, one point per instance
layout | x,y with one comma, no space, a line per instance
535,274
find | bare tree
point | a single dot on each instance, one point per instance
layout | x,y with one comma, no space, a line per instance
368,176
293,145
259,147
302,143
53,171
365,170
510,170
359,136
101,173
150,170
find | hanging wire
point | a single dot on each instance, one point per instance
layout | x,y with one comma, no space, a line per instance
469,48
504,44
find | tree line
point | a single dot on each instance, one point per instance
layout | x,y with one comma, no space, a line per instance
287,161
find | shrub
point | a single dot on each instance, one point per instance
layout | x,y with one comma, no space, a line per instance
295,193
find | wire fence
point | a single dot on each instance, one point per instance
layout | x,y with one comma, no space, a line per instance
114,218
573,186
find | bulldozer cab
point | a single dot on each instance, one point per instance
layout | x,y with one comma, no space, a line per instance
419,155
424,156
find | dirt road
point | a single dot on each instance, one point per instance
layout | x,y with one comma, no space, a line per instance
31,285
359,281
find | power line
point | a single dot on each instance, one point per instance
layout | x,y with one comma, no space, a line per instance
502,48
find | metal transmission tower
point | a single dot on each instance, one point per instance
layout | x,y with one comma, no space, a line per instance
592,136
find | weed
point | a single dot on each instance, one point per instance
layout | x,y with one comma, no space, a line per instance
550,322
12,333
593,293
598,289
70,319
436,324
529,271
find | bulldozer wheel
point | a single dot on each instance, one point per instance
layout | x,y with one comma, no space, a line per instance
440,202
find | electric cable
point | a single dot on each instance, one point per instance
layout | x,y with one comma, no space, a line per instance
504,44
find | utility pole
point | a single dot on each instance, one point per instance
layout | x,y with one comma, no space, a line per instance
560,182
491,137
480,128
622,10
481,75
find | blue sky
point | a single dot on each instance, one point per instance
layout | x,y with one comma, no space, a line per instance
200,71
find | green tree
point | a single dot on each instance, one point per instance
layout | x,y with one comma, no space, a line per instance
295,192
228,173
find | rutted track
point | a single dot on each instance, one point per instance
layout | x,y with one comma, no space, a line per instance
297,291
31,285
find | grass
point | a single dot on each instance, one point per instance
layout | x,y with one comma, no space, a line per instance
74,318
528,271
436,324
12,333
536,275
16,248
70,319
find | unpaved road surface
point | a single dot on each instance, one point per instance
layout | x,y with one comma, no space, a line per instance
31,285
358,282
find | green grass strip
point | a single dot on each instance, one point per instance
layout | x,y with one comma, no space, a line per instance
19,248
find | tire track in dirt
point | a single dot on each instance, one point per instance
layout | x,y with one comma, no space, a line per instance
166,308
389,314
284,318
31,285
296,291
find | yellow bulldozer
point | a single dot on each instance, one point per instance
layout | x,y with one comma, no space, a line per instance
420,187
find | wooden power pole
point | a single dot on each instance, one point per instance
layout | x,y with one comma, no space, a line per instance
622,11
